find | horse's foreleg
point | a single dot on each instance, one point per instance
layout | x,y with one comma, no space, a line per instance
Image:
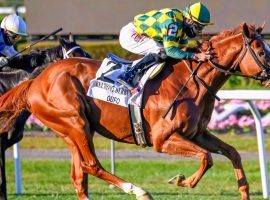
178,145
213,144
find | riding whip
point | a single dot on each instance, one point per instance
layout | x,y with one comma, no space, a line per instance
191,75
34,43
194,72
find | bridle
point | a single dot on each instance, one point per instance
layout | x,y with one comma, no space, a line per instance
246,47
66,53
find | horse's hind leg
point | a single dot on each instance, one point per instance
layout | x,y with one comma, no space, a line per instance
213,144
85,161
78,177
178,145
91,165
69,118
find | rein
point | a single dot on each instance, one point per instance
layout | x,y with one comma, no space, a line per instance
219,67
193,73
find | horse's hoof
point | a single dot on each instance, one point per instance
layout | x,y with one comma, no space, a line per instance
145,196
177,179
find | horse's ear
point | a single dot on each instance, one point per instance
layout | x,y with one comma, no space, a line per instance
246,30
71,38
61,41
260,29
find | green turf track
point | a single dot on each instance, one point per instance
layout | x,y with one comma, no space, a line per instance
49,179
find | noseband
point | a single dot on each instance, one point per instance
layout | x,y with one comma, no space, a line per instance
66,53
246,47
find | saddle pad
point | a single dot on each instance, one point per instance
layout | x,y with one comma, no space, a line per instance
109,92
110,69
117,94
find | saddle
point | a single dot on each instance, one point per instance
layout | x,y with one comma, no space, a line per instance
114,66
105,88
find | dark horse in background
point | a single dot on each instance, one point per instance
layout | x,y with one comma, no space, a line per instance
21,69
58,98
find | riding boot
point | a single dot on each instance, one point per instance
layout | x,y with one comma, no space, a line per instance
127,78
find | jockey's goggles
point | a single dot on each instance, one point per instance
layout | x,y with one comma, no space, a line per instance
198,26
13,35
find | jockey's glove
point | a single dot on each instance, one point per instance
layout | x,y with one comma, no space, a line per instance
3,62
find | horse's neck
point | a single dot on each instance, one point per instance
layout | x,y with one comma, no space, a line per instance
52,54
180,74
227,53
227,49
29,67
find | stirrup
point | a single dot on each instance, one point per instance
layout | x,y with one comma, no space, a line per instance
125,83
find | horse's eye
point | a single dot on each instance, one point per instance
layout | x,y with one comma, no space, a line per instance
261,53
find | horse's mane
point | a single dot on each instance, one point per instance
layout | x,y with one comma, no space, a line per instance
29,62
219,37
52,54
230,32
28,66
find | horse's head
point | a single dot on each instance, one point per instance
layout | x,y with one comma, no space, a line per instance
254,58
71,48
244,50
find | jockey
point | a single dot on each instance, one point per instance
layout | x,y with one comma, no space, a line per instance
13,28
163,33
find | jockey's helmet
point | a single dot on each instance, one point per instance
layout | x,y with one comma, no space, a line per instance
14,24
198,13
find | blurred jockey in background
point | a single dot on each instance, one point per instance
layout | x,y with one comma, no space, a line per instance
163,33
13,27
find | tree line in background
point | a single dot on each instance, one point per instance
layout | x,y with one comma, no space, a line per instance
7,3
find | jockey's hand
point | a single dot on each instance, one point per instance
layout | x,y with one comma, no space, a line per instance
3,62
202,57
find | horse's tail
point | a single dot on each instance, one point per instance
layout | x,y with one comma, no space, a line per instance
12,104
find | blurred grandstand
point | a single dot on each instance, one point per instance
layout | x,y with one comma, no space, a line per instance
95,18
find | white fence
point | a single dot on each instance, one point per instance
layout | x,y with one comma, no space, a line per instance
9,10
246,95
249,95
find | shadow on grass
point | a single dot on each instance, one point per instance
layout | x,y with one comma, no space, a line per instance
121,194
66,194
42,194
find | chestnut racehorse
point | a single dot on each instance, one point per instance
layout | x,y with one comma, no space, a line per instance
58,98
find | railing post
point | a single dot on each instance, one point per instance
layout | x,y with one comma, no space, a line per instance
112,160
261,148
17,168
112,157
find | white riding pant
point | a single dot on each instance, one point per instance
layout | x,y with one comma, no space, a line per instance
130,40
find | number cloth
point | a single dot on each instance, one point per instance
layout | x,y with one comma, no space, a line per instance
165,26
